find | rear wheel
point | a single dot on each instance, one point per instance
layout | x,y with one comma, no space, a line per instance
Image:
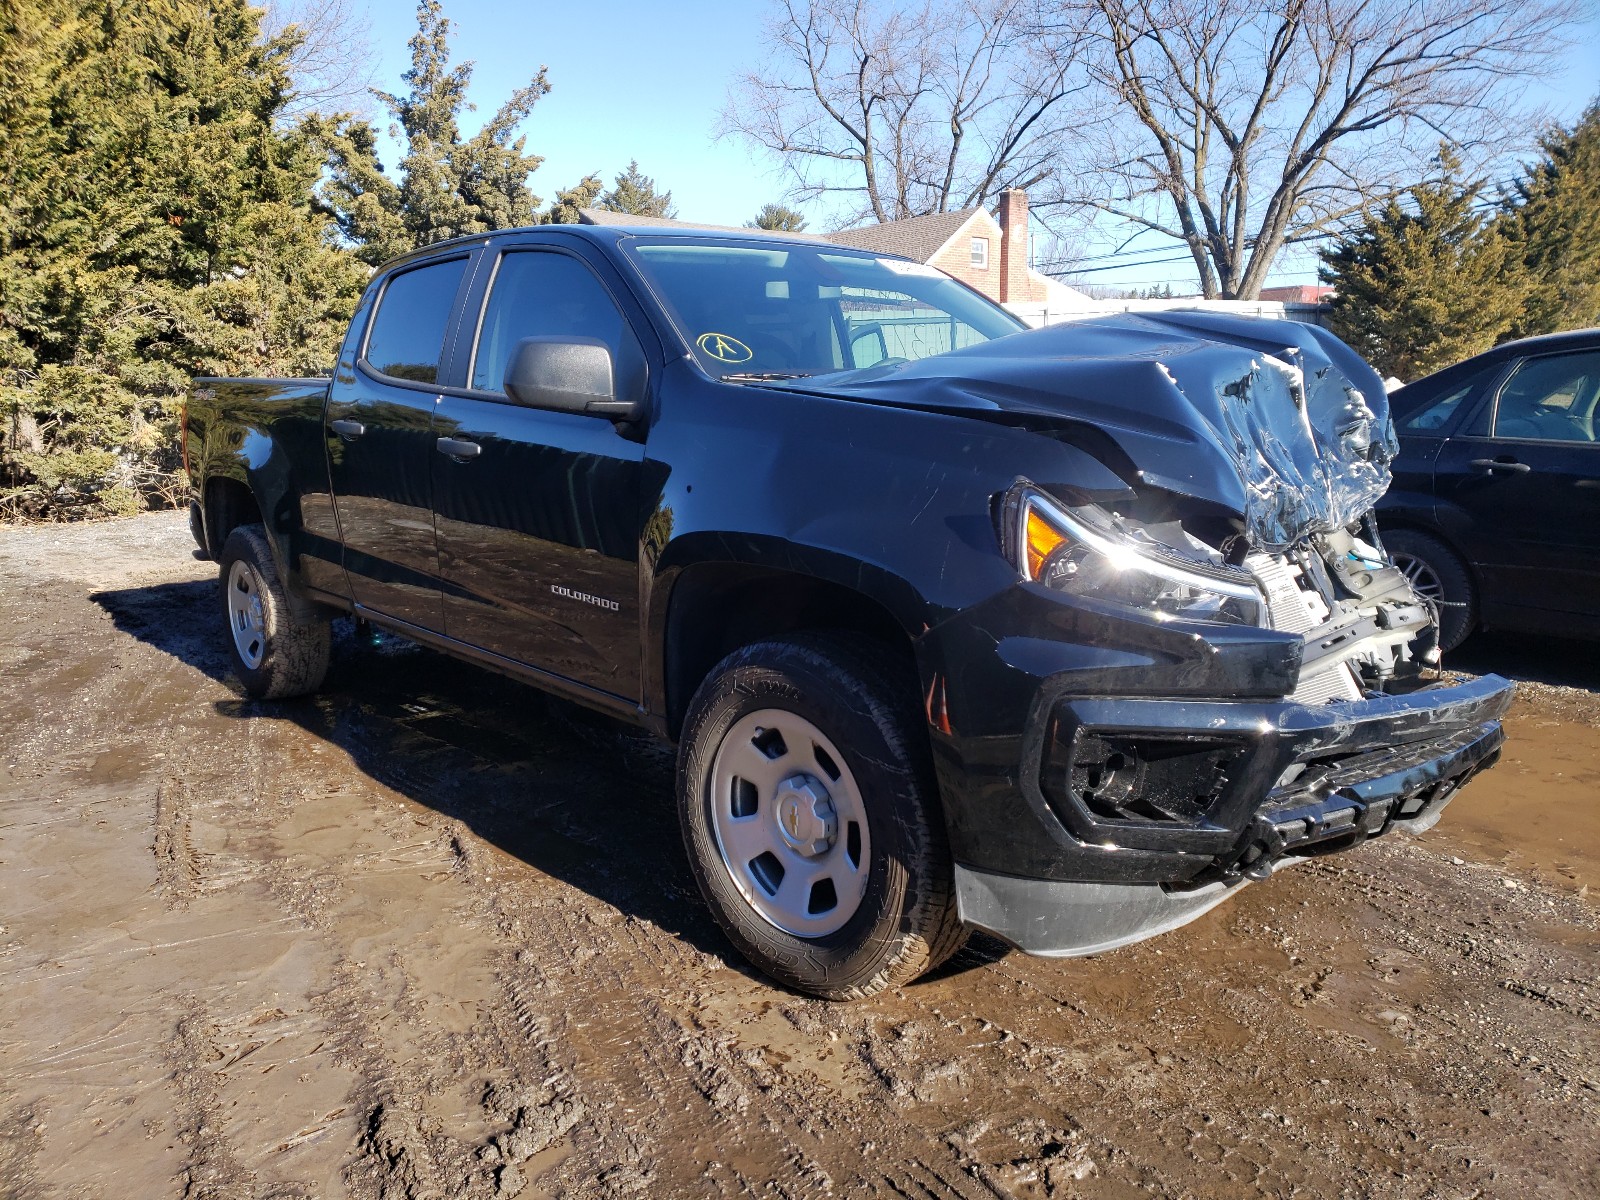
809,812
1438,575
279,647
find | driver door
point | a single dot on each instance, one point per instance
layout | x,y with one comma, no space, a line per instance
538,513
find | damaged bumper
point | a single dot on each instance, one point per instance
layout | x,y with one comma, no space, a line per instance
1343,774
1122,810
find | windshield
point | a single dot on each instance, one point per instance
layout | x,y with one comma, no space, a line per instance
754,310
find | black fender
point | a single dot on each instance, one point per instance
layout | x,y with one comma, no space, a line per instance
264,436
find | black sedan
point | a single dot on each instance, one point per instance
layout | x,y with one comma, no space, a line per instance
1495,508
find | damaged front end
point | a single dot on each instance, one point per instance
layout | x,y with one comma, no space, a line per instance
1217,669
1209,712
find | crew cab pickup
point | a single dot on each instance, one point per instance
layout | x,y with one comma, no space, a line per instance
1062,633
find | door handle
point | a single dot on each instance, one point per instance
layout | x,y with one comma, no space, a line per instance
458,449
349,430
1493,465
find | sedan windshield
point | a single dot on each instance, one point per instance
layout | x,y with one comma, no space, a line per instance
754,310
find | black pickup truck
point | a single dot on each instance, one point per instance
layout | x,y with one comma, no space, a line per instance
1064,633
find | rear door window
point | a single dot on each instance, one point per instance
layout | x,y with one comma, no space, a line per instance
1433,416
408,330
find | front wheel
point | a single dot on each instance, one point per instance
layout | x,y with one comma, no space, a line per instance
810,816
279,647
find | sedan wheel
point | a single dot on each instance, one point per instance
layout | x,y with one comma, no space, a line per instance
1438,576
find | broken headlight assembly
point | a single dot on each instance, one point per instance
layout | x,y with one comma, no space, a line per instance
1092,553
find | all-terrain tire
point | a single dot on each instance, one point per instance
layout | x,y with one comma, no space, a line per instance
279,646
1434,568
863,701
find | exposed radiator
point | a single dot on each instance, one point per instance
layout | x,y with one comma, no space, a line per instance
1295,609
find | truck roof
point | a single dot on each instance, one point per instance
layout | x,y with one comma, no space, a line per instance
612,234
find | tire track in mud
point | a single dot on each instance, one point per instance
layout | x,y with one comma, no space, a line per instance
463,957
19,1148
748,1119
213,1169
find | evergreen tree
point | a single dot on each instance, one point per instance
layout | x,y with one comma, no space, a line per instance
1425,282
363,201
1553,223
778,218
449,185
635,194
156,221
564,209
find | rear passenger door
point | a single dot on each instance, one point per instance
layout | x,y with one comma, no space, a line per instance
1519,488
379,423
538,512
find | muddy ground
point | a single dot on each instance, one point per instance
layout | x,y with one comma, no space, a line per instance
430,935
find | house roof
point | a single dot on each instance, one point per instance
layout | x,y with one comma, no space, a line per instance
918,238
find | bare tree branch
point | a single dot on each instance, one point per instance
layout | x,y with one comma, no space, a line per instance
332,63
1250,124
908,109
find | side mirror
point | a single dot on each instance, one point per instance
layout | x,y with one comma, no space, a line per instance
568,374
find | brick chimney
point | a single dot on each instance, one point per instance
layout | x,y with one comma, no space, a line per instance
1016,286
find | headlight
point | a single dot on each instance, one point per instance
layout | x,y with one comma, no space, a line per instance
1080,552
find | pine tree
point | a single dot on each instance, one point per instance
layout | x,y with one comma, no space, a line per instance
635,194
157,221
450,186
1424,282
564,209
363,201
778,218
1553,224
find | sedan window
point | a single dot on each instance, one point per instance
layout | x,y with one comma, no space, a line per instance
1550,399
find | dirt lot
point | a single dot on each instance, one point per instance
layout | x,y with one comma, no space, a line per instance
431,935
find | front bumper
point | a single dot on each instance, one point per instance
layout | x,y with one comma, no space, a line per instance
1101,753
1355,787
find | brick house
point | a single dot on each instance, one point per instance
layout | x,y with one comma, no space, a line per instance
1298,293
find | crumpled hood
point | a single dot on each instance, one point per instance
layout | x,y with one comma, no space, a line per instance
1276,421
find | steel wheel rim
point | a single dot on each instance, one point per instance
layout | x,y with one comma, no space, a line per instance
1424,580
770,829
247,615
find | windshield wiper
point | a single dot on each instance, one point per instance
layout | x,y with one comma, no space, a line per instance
763,376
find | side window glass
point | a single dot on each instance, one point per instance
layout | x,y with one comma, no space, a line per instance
1550,399
1435,414
407,338
352,339
548,294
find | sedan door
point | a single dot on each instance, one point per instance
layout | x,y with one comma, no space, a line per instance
1520,490
538,512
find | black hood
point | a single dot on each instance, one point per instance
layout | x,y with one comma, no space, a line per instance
1276,421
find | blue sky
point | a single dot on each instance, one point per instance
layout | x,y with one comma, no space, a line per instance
634,79
628,80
